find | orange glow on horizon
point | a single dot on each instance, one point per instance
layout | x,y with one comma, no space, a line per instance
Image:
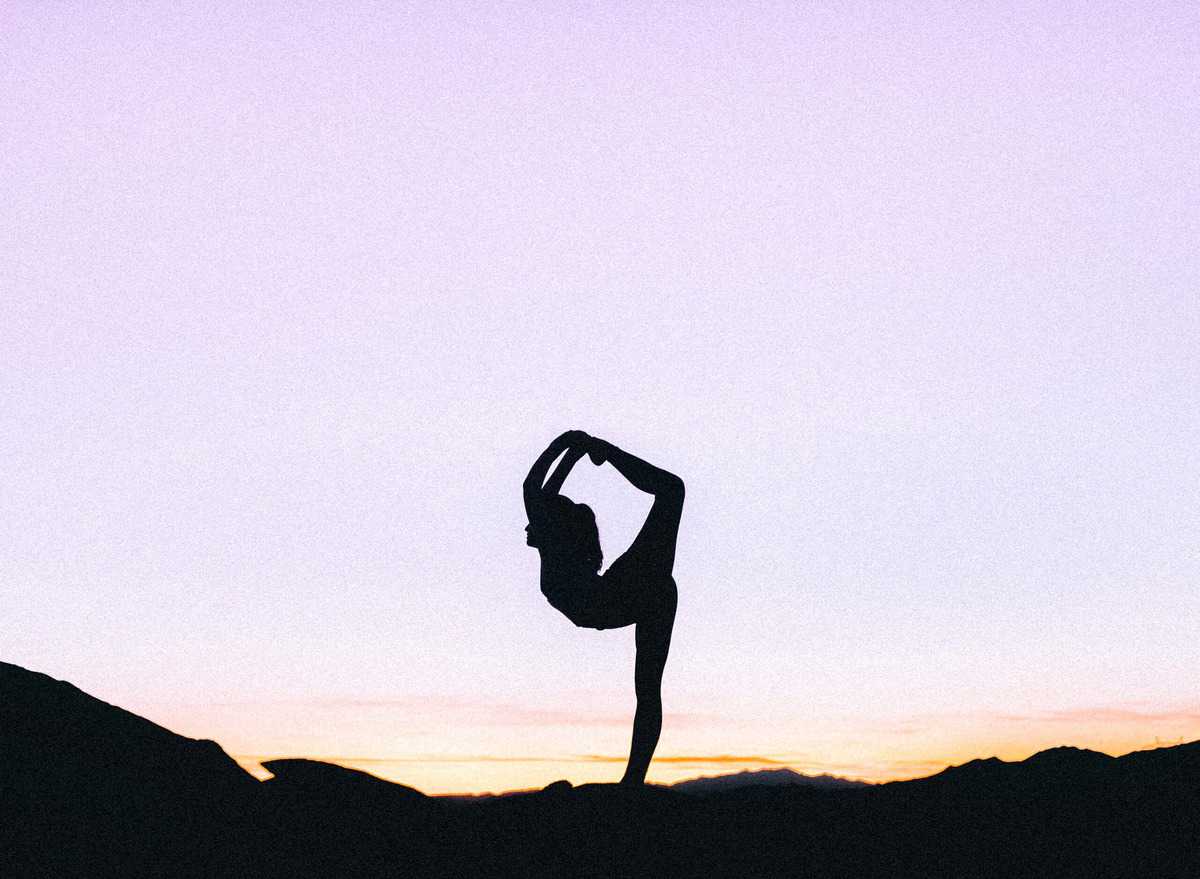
470,748
490,774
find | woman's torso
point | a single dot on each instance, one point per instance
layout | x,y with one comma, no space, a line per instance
621,596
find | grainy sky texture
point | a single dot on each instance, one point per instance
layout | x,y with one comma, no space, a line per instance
291,295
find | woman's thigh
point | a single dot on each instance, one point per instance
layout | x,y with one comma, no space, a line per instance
652,553
656,620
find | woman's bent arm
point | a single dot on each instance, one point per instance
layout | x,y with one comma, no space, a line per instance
555,483
532,487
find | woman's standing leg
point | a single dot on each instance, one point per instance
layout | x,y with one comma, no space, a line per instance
653,639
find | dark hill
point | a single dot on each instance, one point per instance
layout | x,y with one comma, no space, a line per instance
87,789
85,782
1046,771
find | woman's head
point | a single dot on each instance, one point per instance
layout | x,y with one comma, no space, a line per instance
567,529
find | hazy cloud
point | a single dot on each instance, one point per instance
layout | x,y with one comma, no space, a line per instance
1107,714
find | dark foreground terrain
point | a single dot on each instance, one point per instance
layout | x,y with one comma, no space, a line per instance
87,789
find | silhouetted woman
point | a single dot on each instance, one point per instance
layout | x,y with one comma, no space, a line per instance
637,589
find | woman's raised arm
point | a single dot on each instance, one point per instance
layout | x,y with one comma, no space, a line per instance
554,484
533,487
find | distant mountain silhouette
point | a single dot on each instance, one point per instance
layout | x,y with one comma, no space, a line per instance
88,789
764,778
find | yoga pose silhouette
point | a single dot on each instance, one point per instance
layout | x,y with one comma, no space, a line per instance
637,589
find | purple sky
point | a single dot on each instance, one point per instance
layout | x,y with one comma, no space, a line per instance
291,296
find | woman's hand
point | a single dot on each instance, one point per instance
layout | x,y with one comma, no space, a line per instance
598,450
576,438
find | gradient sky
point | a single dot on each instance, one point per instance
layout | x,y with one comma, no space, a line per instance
290,298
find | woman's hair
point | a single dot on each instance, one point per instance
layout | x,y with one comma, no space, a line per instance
570,528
